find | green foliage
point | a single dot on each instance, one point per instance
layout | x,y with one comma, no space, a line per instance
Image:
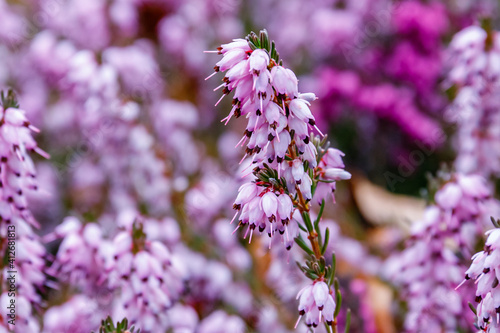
138,237
269,177
262,41
107,326
348,321
9,101
300,242
496,223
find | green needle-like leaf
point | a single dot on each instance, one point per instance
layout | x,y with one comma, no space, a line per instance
300,242
473,308
338,301
307,221
325,244
348,321
334,267
320,214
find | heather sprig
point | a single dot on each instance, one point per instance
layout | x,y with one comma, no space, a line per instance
290,167
21,248
485,270
429,268
473,85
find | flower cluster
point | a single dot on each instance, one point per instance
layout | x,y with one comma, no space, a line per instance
73,263
21,248
385,101
219,321
284,154
485,270
77,314
316,302
290,166
261,207
428,270
147,276
17,169
473,82
144,271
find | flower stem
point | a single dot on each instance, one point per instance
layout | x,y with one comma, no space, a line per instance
312,234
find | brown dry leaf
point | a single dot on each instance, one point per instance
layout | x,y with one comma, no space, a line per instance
380,298
381,207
